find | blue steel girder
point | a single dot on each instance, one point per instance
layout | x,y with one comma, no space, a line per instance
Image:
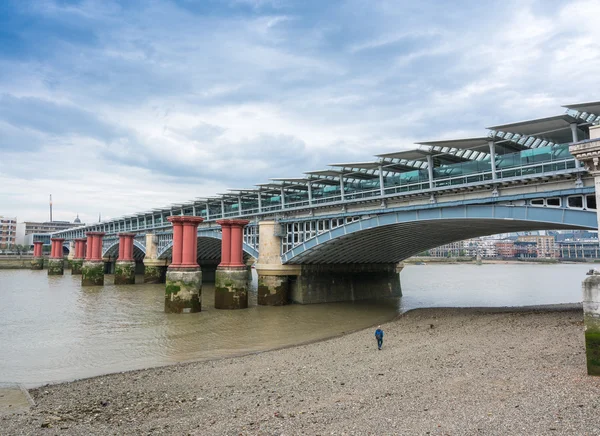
397,234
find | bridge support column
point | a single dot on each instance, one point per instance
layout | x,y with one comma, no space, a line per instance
231,280
155,269
38,257
273,277
347,282
92,271
77,262
591,319
183,289
125,267
56,263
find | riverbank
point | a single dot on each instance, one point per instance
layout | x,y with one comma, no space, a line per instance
442,371
493,261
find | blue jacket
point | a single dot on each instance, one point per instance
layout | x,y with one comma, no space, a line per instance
379,334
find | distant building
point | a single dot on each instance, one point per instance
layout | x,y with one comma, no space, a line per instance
452,249
579,250
526,249
28,228
8,231
505,248
546,245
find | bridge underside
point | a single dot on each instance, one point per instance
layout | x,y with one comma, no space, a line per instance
396,242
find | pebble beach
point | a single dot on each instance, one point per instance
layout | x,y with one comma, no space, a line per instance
440,372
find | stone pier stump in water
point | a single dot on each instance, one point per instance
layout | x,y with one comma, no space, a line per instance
56,267
37,263
591,319
231,287
76,266
92,273
125,273
183,290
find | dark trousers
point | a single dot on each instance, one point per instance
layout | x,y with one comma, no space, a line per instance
379,342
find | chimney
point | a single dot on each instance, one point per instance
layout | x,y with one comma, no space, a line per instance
50,207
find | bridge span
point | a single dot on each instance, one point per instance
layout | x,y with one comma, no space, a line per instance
340,233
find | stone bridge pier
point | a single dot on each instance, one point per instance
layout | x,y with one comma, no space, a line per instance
38,256
78,256
56,263
183,288
92,271
274,279
155,269
125,267
231,280
322,283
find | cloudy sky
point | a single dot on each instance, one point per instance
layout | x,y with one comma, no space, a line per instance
116,107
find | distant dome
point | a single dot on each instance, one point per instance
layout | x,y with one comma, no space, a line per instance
77,220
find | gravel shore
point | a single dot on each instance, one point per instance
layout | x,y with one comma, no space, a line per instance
441,371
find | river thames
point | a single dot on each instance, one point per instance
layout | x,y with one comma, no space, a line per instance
52,329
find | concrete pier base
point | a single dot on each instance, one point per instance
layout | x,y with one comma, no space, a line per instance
92,273
125,272
231,287
273,290
183,290
37,263
591,319
76,265
352,282
56,267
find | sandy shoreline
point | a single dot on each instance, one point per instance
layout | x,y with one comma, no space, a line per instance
442,371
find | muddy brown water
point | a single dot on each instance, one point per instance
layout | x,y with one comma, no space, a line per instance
52,329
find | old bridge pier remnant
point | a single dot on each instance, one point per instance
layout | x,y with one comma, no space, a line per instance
92,271
183,290
38,257
231,277
56,263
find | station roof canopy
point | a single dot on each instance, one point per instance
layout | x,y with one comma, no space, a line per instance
556,129
358,171
590,108
420,155
479,144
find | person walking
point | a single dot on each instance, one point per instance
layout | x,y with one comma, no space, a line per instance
379,337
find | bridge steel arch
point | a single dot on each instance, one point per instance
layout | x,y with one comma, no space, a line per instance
395,236
209,246
112,249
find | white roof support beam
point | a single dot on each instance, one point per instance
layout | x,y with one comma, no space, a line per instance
492,146
381,181
430,171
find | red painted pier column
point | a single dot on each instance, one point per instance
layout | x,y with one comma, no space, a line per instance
125,267
225,242
232,276
38,256
56,263
92,271
184,276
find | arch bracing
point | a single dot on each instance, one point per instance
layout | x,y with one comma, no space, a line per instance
110,248
209,247
396,236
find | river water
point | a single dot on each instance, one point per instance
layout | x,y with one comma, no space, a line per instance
52,329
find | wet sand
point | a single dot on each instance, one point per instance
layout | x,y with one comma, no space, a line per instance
441,371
